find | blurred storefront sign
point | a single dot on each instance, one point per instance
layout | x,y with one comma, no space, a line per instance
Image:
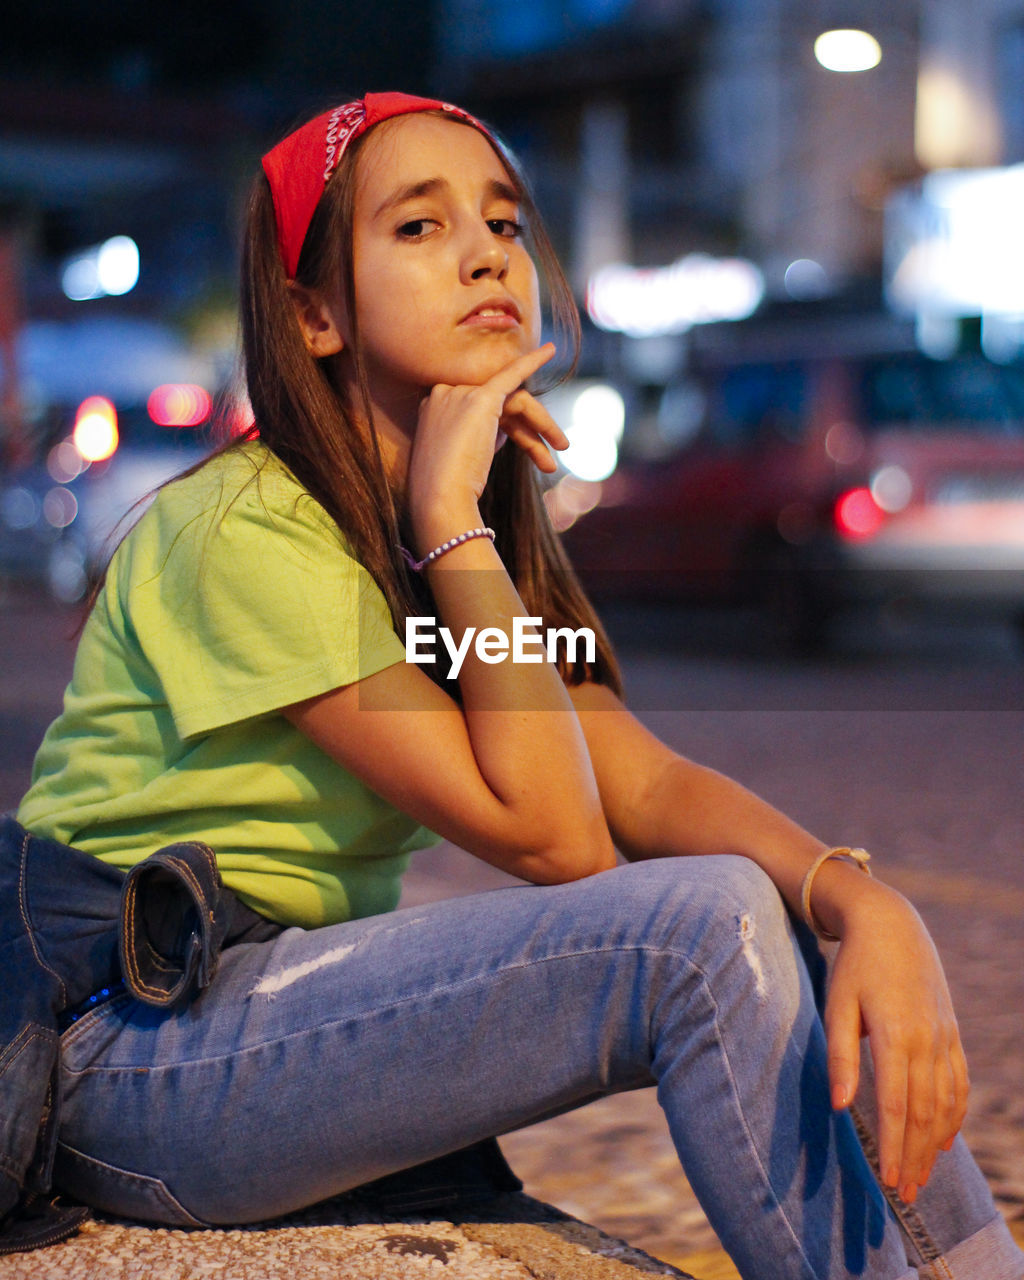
653,301
954,249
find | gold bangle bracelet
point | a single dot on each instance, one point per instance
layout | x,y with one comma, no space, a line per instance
860,856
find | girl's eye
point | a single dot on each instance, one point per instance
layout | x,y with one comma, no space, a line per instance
416,228
507,227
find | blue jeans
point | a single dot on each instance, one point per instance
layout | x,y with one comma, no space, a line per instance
320,1060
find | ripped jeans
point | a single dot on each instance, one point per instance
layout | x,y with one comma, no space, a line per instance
319,1060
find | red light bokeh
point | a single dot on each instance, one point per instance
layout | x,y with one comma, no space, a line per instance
858,515
179,404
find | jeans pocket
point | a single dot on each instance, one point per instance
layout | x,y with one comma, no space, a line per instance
119,1191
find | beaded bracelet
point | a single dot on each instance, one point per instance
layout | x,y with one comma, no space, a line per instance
438,552
860,856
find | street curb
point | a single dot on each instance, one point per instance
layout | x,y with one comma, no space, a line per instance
509,1237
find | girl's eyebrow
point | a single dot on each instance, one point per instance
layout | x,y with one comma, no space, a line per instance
496,189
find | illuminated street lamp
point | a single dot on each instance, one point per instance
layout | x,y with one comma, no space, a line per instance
847,49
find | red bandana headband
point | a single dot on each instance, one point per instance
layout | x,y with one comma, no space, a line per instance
298,167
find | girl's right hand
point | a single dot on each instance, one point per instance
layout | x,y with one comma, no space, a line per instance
458,432
887,983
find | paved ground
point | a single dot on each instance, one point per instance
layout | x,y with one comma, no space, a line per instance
910,742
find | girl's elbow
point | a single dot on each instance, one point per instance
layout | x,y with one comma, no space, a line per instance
585,849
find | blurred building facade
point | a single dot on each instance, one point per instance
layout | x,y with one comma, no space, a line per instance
652,128
661,127
119,120
124,122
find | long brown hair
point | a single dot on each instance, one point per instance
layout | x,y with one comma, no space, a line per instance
302,410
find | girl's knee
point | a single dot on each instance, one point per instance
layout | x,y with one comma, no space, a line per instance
725,918
713,897
748,951
740,883
726,883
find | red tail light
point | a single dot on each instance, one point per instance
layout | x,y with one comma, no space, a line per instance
857,514
179,404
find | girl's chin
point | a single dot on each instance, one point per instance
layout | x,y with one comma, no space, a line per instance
469,369
476,371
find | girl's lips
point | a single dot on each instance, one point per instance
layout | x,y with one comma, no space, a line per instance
493,315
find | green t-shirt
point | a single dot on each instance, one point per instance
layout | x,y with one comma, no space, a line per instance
232,597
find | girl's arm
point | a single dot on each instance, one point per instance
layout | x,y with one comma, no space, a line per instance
508,775
509,781
887,981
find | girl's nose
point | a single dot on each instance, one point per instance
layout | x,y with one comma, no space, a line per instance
483,256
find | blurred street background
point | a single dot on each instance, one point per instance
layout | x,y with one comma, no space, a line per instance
796,481
792,228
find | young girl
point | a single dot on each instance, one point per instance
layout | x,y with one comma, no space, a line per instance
241,686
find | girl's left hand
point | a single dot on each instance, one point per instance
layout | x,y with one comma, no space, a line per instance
887,982
529,426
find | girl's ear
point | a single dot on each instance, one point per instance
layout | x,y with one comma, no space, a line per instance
317,320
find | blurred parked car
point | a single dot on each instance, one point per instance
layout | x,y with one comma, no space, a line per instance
115,404
805,473
61,517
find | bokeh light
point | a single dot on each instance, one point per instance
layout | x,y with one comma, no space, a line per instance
892,488
806,279
64,462
179,404
697,289
598,420
60,507
106,270
117,265
847,49
95,434
858,515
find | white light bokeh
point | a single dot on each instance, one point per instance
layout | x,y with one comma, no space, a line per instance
806,279
117,265
595,428
891,488
569,499
80,278
19,508
60,507
847,49
955,245
697,289
64,462
106,270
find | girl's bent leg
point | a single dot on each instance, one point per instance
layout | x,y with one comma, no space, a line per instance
321,1060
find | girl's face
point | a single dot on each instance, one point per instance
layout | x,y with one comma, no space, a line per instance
445,289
